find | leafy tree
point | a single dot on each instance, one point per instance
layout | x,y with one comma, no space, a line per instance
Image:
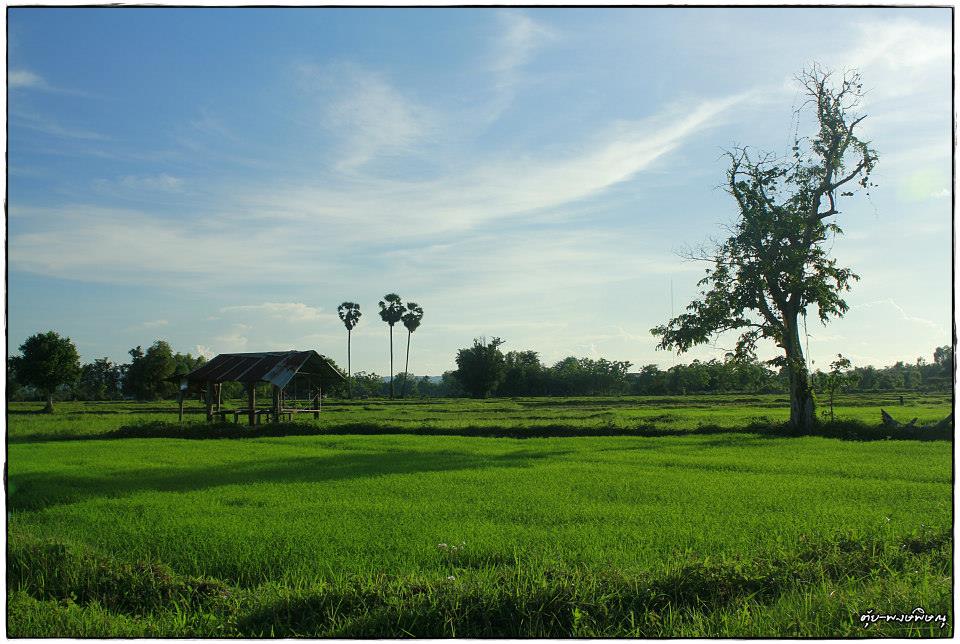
837,379
481,367
391,311
99,380
525,375
146,377
185,363
943,356
349,313
367,385
15,389
411,320
775,264
46,362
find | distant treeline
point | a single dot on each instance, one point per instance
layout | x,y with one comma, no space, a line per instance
523,374
511,374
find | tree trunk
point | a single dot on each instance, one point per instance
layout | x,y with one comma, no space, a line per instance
48,408
801,395
349,376
391,361
406,369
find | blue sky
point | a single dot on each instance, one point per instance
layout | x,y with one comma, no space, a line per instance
223,178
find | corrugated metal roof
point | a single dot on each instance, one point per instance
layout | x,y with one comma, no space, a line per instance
275,367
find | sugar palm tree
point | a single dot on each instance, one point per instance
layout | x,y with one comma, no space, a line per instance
350,314
411,320
391,311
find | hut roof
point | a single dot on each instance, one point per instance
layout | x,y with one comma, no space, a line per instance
275,367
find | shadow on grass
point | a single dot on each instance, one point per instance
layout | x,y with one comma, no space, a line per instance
35,491
843,430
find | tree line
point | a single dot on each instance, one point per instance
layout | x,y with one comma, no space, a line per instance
483,370
48,368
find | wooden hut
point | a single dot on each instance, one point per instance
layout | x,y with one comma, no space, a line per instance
291,374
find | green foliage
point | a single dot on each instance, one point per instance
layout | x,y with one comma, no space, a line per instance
776,262
481,367
369,385
146,374
100,380
391,309
46,362
349,313
413,316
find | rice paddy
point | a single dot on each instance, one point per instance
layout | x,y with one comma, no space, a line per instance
627,517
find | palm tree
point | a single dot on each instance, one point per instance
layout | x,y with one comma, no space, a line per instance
411,320
391,312
350,314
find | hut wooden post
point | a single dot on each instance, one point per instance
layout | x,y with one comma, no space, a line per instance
180,404
316,414
219,388
276,404
209,401
251,402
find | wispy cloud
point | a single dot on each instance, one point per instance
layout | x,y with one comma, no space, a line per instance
370,116
519,38
292,311
152,324
53,127
902,314
141,183
497,189
134,247
282,225
22,78
233,340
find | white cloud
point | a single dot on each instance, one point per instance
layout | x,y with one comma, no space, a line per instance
22,78
369,116
205,351
233,340
519,38
902,314
162,182
53,127
292,311
902,45
133,247
140,183
154,323
267,232
500,188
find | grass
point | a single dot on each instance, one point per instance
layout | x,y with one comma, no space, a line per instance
311,530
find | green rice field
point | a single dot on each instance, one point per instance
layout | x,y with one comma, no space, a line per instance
564,517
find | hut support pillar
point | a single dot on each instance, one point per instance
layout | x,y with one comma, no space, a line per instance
316,414
209,401
180,395
276,404
252,403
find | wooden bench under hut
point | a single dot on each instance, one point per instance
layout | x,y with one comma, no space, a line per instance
293,375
